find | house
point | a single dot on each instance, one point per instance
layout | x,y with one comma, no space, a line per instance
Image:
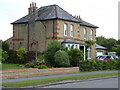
100,50
35,30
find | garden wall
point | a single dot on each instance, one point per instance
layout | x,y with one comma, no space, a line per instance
37,72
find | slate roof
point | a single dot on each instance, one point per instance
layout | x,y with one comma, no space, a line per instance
53,12
84,23
72,41
100,47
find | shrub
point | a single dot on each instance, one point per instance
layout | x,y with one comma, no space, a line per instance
30,65
61,59
53,47
40,59
41,67
75,56
21,52
94,65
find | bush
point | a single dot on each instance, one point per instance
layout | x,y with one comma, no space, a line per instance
30,65
21,52
40,59
75,56
53,47
61,59
95,65
41,67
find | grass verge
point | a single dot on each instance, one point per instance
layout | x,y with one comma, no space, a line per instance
56,79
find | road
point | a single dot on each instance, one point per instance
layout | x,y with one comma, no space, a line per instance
101,83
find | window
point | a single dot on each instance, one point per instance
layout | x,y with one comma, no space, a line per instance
89,53
91,34
71,30
76,46
65,29
68,46
85,34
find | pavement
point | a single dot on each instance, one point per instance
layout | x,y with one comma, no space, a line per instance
52,76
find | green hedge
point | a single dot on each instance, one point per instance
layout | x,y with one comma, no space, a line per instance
95,65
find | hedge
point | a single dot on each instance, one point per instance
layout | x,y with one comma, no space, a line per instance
95,65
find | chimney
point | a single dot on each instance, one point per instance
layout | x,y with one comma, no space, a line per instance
33,11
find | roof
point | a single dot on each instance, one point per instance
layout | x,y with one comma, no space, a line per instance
84,23
72,41
48,13
100,47
54,12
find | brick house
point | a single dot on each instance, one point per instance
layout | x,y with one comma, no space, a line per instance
35,30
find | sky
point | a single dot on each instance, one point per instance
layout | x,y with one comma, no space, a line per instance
102,13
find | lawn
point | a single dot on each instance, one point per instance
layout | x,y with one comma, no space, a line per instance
9,66
56,79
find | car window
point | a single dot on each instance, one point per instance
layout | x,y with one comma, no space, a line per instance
108,57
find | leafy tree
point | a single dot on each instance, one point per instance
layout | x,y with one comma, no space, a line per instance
75,56
21,52
3,55
116,49
62,59
5,46
53,47
109,43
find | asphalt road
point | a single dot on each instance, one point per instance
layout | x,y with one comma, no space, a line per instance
101,83
52,76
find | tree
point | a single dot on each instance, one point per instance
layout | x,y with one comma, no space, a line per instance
109,43
62,59
21,52
5,46
116,49
53,47
3,55
75,56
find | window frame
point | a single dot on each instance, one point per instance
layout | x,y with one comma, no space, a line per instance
85,34
71,30
91,34
65,29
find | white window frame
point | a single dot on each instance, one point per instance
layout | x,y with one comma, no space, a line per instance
89,53
91,34
85,33
65,29
71,30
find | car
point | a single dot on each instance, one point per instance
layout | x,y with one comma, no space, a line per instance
107,57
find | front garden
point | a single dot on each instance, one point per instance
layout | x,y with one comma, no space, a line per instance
55,56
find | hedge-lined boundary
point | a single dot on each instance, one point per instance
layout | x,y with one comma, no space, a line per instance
95,65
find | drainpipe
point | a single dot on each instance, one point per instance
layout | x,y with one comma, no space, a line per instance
28,38
84,53
53,29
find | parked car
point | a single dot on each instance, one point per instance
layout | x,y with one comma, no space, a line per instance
107,57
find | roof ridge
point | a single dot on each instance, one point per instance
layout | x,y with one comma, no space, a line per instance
67,12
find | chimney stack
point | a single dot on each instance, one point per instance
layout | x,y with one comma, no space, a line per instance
33,11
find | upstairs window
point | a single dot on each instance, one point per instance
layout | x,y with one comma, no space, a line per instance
71,30
85,34
65,29
91,34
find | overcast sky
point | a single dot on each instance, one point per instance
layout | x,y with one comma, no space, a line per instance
102,13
